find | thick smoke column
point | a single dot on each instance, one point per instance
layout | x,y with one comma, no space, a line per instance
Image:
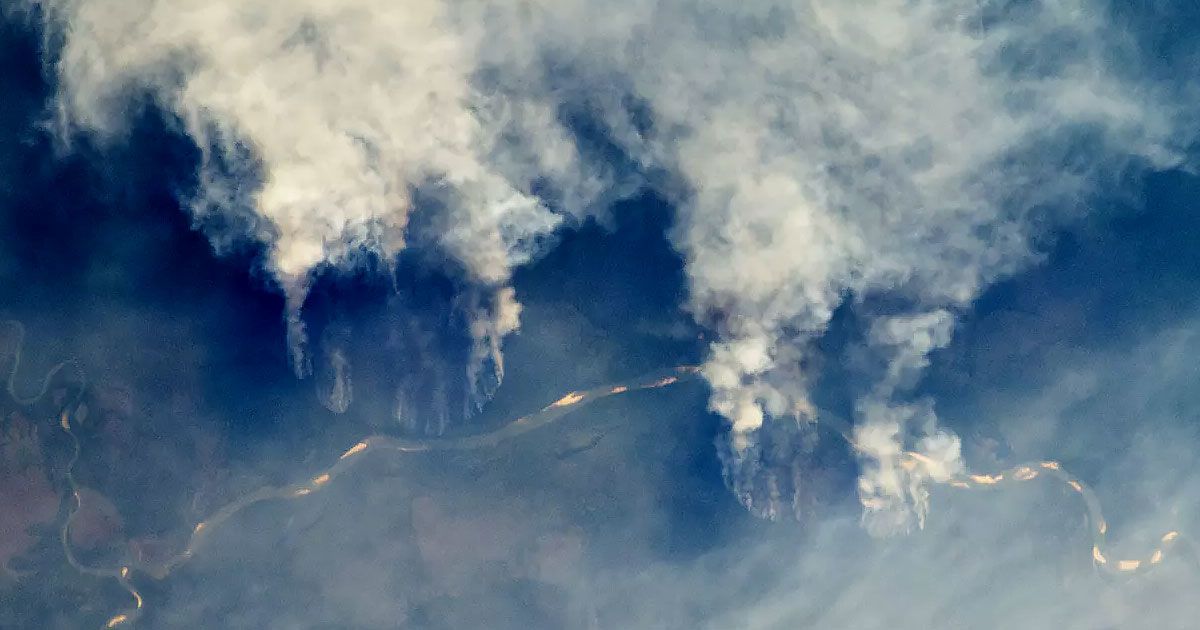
913,150
321,122
817,151
895,496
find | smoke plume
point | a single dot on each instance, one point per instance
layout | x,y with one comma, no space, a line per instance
819,154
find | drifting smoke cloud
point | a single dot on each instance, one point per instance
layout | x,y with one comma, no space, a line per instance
817,151
853,149
888,487
343,111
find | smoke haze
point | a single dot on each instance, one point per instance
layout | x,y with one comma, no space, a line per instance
963,226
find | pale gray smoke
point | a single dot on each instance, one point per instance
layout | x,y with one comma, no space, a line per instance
346,107
817,150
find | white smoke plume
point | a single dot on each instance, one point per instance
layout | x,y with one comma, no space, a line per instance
346,108
818,151
895,497
840,150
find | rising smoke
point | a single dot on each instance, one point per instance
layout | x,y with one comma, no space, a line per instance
819,153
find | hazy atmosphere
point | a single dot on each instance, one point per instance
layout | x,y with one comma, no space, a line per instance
837,314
